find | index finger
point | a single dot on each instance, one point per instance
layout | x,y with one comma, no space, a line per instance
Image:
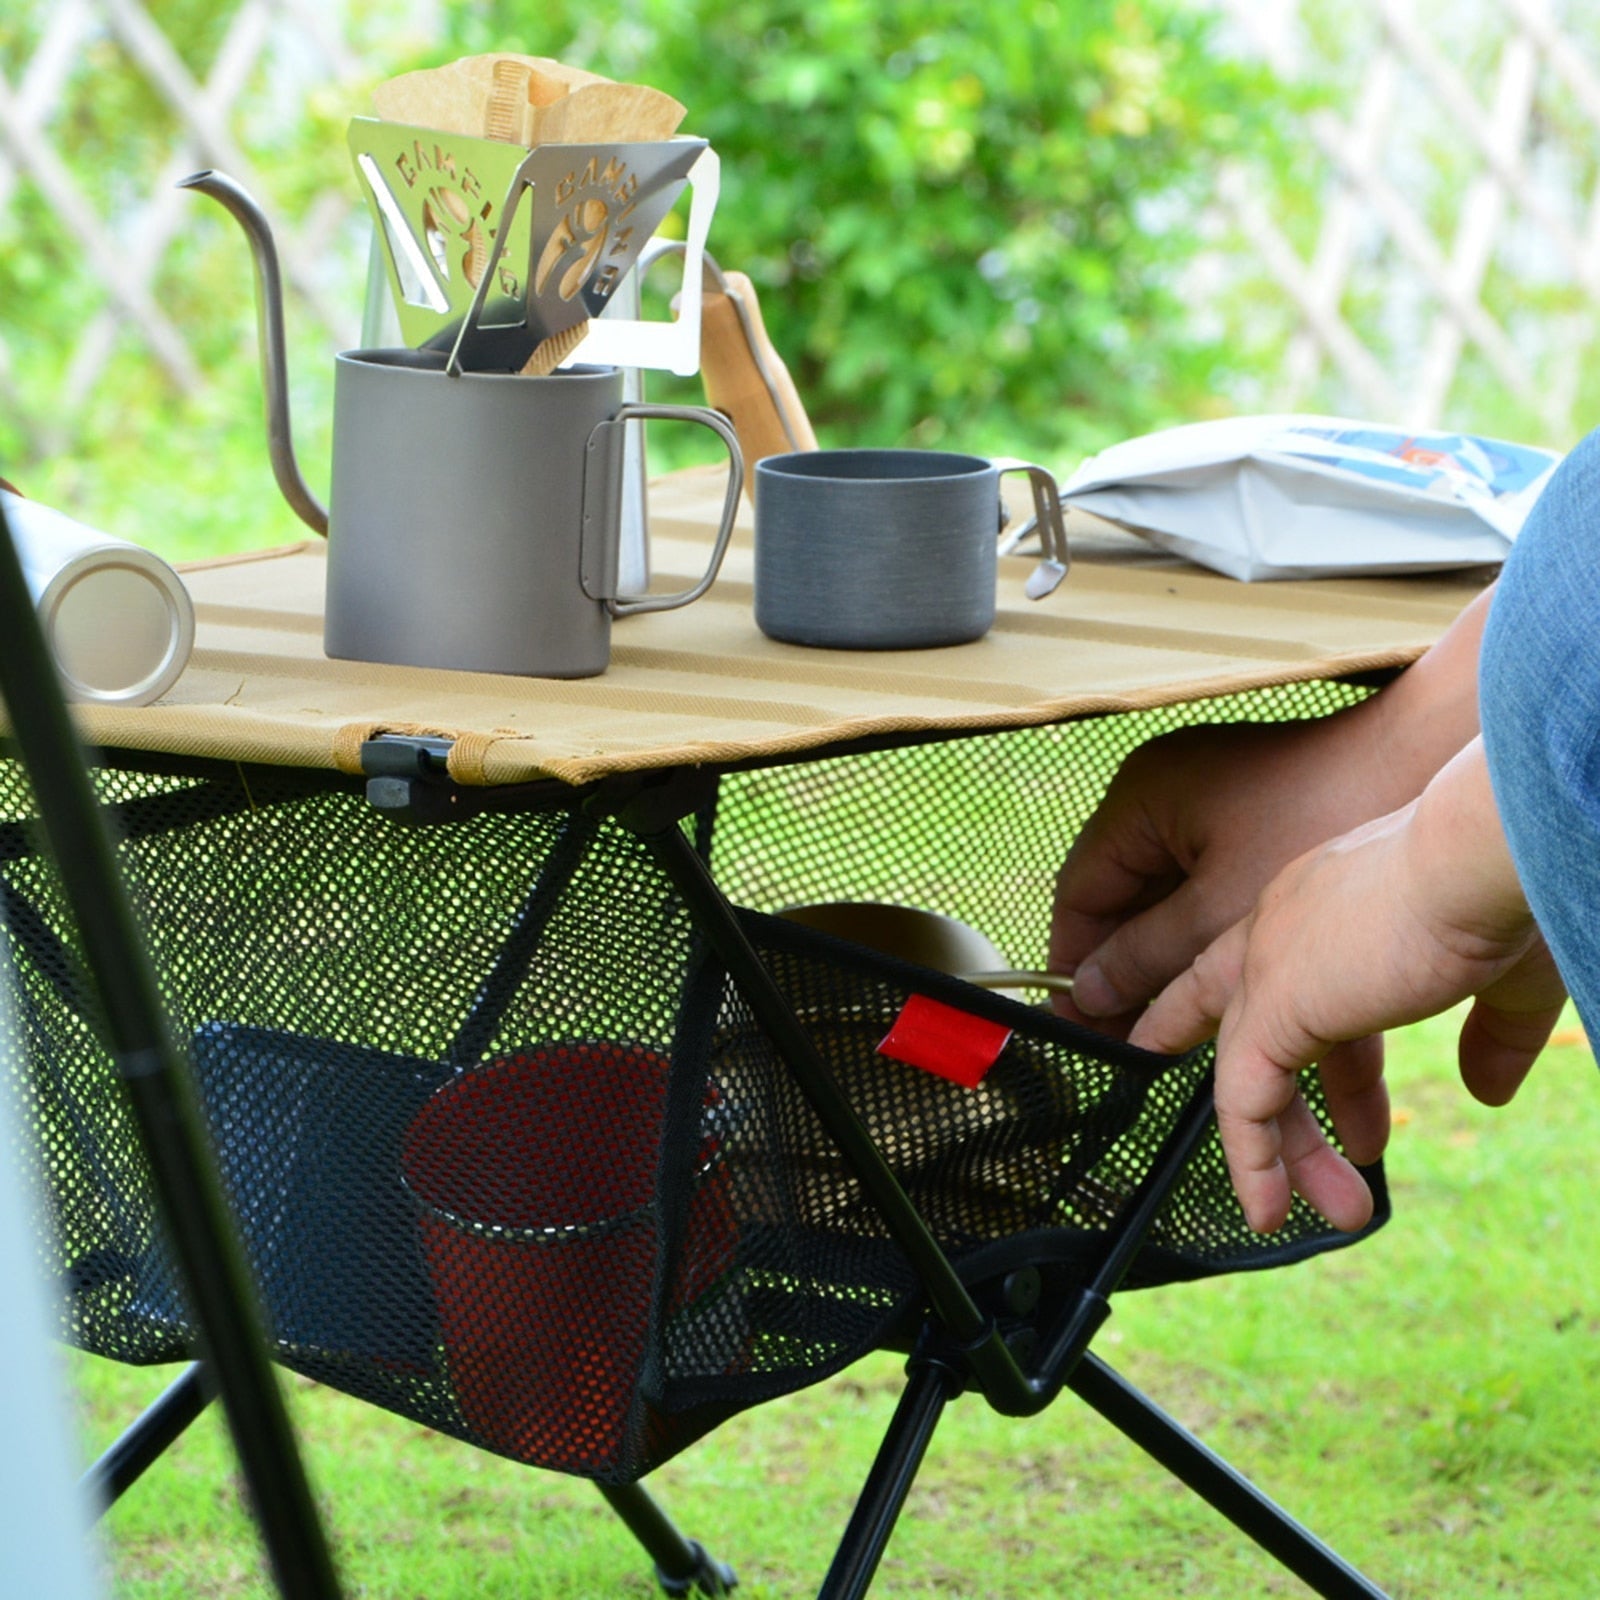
1189,1010
1274,1145
1251,1091
1274,1156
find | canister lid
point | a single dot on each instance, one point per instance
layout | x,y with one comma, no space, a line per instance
120,626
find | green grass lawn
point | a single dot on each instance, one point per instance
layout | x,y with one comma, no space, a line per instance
1424,1402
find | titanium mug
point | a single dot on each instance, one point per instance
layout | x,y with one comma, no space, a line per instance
476,517
889,549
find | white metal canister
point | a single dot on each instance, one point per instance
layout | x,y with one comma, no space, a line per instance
118,619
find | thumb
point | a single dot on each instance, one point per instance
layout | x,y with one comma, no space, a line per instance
1139,959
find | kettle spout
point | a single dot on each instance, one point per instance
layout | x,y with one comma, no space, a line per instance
274,358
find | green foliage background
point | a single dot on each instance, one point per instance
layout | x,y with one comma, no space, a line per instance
966,224
967,227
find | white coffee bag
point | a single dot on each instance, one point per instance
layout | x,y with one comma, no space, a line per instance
1308,496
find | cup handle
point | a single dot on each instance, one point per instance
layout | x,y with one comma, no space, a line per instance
627,605
1056,559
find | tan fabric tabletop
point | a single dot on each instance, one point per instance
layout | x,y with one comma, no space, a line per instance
1129,629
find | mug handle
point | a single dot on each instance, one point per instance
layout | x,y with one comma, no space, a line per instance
628,605
1056,559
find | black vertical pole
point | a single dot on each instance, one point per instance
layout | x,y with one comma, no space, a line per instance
215,1277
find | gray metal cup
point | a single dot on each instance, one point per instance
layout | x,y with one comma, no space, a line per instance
880,549
475,519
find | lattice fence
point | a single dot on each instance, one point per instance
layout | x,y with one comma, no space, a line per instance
1447,268
107,221
1436,257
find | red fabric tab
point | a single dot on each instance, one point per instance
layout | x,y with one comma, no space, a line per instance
939,1039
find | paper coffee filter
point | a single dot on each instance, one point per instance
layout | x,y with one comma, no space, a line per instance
453,98
558,104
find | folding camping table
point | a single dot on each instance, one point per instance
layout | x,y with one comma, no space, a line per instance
542,1129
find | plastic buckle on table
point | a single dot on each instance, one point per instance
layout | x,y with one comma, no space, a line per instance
396,755
408,780
408,777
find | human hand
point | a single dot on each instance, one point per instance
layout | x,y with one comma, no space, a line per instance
1197,823
1193,827
1391,923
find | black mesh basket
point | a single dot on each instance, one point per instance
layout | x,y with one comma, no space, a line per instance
1035,1163
509,1154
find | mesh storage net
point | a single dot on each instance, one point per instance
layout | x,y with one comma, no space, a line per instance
509,1154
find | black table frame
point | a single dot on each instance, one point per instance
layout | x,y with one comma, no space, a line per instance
1001,1342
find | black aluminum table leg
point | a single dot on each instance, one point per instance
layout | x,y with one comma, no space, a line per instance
521,943
159,1426
928,1390
984,1352
682,1565
1205,1472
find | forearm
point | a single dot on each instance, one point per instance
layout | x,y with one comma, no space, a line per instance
1404,734
1457,867
1381,754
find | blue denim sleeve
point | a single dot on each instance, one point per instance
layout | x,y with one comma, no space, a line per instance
1539,702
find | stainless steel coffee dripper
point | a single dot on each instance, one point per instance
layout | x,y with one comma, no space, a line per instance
476,513
574,266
